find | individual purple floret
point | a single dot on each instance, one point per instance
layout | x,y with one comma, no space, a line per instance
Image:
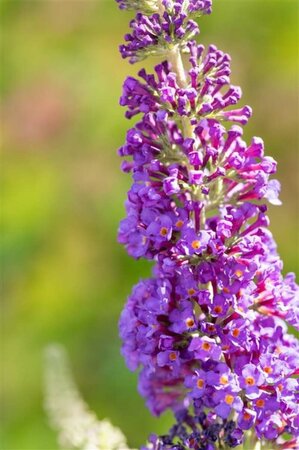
208,330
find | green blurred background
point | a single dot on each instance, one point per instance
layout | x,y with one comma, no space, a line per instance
65,277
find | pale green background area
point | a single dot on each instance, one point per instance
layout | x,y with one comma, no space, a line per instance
65,277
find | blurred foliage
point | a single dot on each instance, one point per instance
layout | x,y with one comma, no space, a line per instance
65,277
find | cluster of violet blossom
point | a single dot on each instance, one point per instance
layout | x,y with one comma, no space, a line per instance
209,329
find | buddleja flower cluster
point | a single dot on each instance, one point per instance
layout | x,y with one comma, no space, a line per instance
209,330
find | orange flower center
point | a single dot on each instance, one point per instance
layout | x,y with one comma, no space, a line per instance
236,332
268,369
229,399
191,291
200,383
250,381
218,309
189,322
195,245
172,356
246,416
260,403
239,273
206,346
163,231
179,224
223,379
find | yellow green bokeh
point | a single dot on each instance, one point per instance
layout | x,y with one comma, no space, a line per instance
65,278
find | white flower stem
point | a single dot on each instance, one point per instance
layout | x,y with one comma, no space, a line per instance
160,7
178,66
176,61
175,58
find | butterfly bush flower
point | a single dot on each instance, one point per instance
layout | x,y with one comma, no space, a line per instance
208,331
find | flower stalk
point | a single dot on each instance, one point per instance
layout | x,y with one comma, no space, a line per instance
175,59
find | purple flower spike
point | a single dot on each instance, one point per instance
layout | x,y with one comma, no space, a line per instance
208,329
